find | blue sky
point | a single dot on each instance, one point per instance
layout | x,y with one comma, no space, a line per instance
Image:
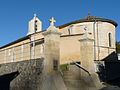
15,14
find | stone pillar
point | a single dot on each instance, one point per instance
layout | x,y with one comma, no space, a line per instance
51,48
87,62
87,54
52,79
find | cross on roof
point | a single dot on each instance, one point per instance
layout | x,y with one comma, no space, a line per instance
52,21
35,15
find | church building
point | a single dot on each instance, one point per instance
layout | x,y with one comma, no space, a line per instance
101,30
86,42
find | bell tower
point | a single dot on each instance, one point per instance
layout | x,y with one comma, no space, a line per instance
34,25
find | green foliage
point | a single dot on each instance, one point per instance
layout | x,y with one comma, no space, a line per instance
118,47
64,67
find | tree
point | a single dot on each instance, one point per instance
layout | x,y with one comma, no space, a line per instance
118,47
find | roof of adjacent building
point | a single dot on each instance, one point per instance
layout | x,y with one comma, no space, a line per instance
90,19
87,19
16,41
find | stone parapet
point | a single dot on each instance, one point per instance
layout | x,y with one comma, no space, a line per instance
24,75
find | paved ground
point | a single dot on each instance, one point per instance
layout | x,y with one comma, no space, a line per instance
111,88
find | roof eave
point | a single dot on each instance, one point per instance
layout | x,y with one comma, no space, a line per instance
90,20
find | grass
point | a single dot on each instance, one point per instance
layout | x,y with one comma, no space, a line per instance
64,67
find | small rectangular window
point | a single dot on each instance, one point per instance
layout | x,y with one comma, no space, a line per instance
109,36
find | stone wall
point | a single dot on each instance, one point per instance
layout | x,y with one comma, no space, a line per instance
25,75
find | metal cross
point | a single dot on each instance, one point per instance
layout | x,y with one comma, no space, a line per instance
52,21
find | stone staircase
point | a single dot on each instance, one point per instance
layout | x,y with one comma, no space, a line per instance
73,80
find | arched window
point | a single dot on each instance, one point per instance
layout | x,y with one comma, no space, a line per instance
109,37
70,30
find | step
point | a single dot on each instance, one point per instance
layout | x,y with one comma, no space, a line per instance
71,77
76,88
74,83
67,73
78,83
86,88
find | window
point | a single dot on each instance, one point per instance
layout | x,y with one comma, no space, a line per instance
109,37
35,25
70,30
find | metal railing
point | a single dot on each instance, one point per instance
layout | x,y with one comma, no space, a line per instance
21,52
82,68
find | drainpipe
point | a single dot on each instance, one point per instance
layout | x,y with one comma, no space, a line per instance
94,39
98,41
